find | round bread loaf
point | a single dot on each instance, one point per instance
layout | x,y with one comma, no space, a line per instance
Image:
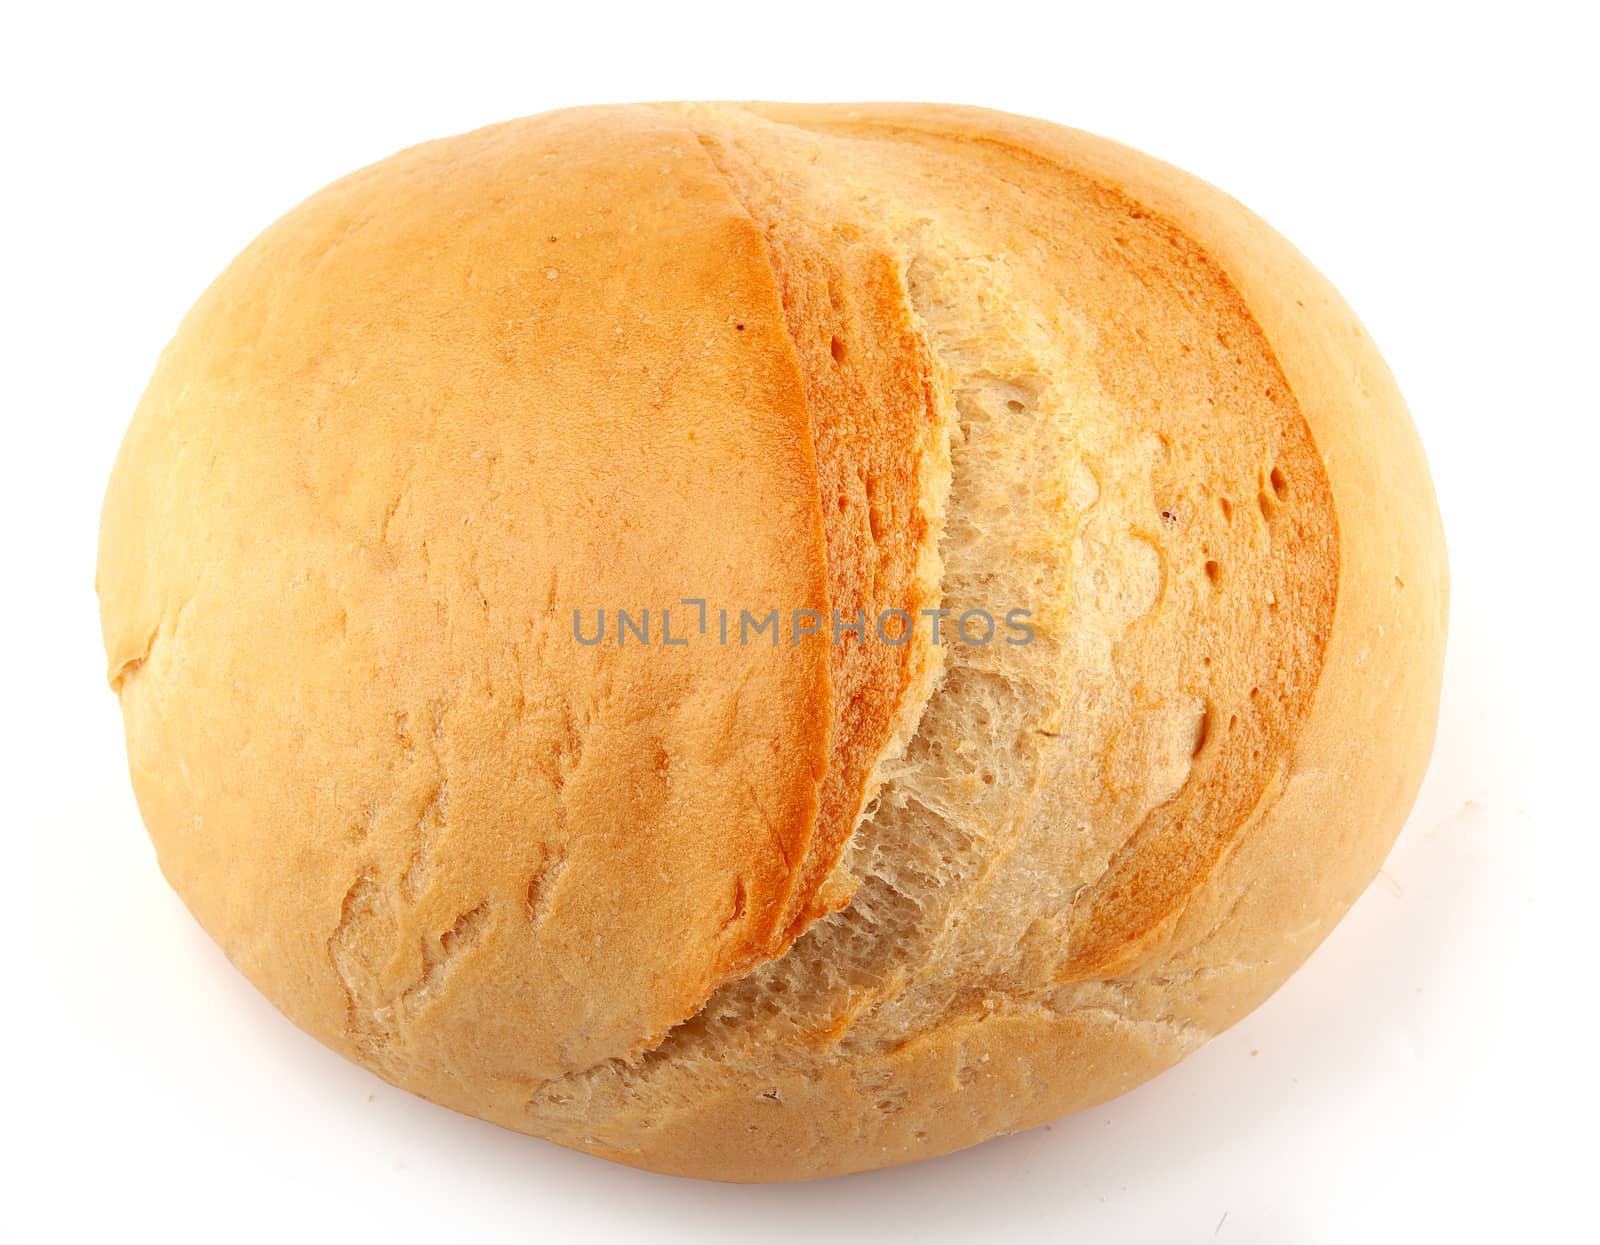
764,641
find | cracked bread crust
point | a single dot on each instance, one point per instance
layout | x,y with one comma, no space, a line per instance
914,896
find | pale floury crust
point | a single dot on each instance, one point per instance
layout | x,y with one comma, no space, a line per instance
755,912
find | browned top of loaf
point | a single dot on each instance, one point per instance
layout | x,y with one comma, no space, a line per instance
447,401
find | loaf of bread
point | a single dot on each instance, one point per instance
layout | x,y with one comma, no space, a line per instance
763,641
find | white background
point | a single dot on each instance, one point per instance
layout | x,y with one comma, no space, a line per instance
1427,1076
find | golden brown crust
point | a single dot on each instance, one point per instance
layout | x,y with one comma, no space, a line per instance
1156,424
415,426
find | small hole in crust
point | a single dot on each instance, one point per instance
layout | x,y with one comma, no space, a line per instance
1015,406
1214,573
1226,507
1280,484
836,348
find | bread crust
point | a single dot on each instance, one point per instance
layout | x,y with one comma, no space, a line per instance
421,421
869,356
